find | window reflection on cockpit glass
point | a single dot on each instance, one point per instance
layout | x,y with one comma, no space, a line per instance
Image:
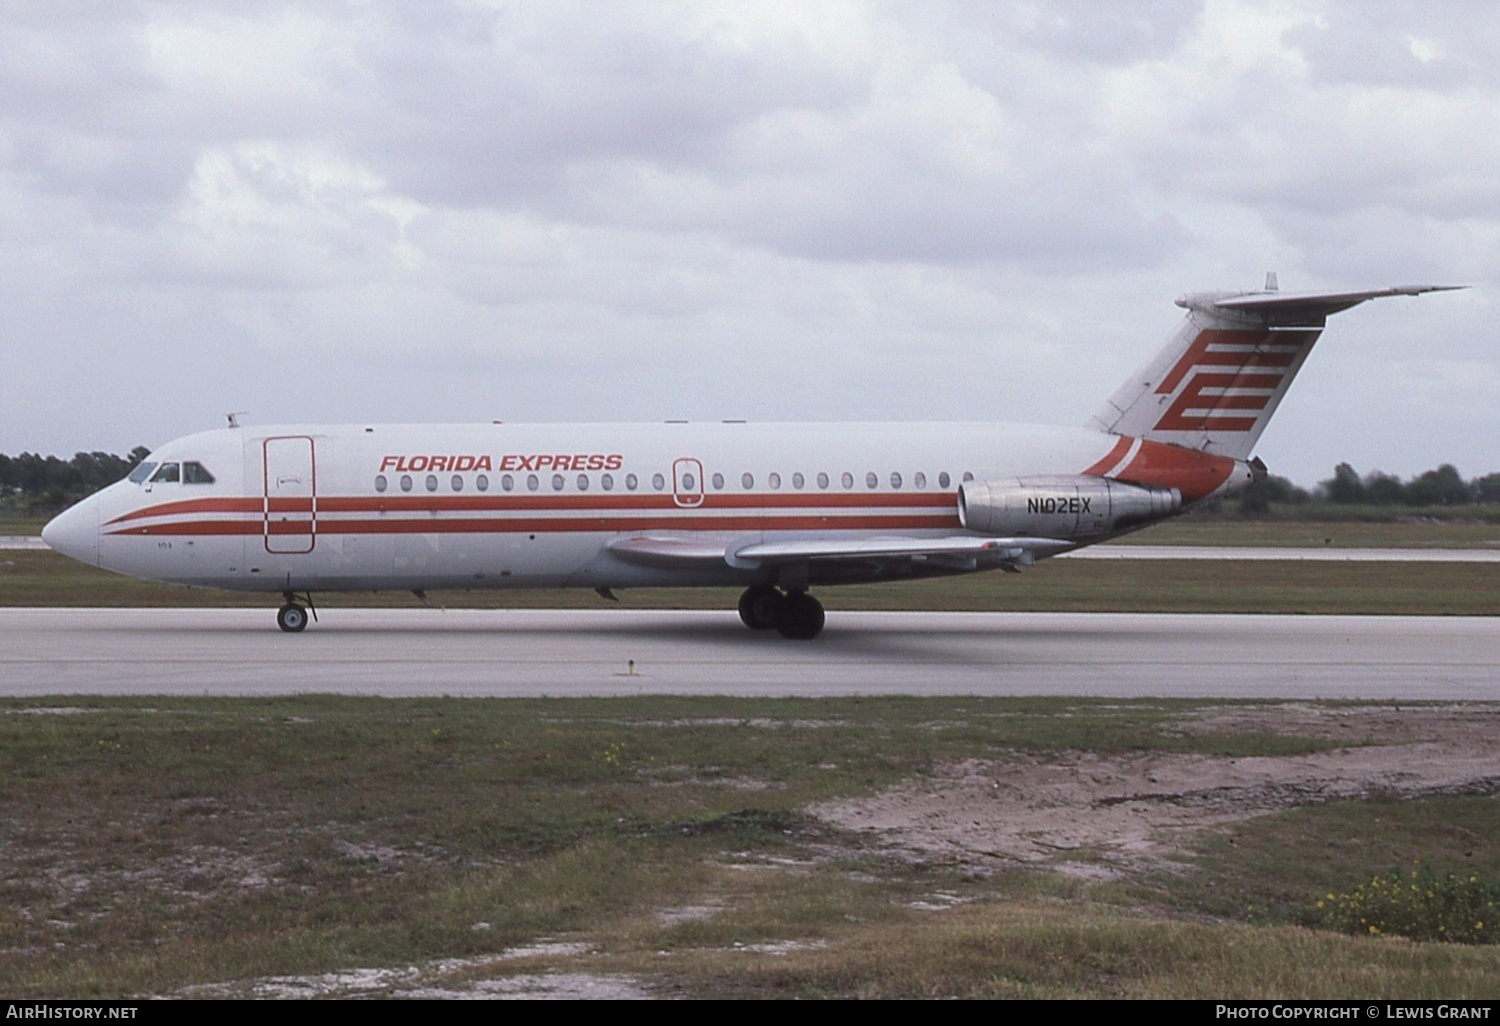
141,472
194,472
168,472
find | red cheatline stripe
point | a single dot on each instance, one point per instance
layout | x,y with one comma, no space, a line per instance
239,505
553,525
604,503
1116,452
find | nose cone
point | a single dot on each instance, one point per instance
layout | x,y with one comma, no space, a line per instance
75,532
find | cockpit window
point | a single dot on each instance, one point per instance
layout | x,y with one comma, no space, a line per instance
168,472
141,472
194,472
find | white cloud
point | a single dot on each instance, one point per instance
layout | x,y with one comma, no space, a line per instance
841,210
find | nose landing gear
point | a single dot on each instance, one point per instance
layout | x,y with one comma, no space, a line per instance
794,614
292,617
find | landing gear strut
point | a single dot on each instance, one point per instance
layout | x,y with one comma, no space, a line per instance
292,617
795,614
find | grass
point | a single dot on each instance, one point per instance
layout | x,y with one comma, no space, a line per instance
1351,527
39,578
157,844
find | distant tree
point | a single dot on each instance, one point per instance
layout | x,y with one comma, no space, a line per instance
1441,487
1384,489
1487,488
1256,498
1345,486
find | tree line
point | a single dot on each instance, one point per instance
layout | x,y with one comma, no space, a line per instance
33,484
1444,486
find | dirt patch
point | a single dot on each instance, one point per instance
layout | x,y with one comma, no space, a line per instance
1109,815
485,977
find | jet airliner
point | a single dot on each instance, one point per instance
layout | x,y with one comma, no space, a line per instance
776,509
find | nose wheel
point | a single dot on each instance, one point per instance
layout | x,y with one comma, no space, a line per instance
794,614
293,616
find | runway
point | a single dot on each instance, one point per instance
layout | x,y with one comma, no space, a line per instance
626,652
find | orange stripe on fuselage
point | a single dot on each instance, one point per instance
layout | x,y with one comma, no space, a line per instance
1115,454
165,509
1195,474
554,525
604,503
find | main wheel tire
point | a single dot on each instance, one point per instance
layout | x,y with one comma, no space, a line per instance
291,618
801,617
760,607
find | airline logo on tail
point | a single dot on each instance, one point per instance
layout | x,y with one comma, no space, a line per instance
1215,384
1227,378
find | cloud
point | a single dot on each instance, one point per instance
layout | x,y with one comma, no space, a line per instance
840,210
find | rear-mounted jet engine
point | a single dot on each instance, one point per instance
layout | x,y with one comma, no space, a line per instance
1075,507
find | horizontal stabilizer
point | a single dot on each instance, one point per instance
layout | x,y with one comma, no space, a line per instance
1298,306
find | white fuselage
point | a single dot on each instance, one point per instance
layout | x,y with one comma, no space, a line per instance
323,508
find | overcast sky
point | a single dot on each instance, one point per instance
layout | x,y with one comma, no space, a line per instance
811,211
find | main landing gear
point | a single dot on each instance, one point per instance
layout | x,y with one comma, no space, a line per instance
794,614
292,617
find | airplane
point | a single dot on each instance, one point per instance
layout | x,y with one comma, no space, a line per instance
774,508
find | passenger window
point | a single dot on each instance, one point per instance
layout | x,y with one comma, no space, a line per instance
607,482
871,480
167,473
557,482
406,482
431,482
944,480
822,480
774,480
718,482
630,481
196,473
919,479
747,479
380,483
797,480
482,482
507,482
583,482
658,482
533,482
968,475
457,483
847,479
895,479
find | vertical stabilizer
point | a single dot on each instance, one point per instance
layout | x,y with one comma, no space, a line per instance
1216,383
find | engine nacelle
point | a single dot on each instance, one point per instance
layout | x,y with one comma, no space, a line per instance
1074,507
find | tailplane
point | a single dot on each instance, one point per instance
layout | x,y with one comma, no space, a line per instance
1217,382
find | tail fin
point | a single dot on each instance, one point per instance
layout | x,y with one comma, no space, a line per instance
1217,382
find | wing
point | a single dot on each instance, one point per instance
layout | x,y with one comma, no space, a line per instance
957,552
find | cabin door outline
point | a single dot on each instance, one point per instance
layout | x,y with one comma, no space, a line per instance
290,496
687,482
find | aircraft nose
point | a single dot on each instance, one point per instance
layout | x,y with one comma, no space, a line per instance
75,532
